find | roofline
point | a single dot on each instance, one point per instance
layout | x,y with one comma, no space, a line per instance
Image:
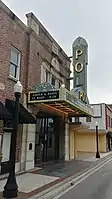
108,106
25,27
48,34
12,16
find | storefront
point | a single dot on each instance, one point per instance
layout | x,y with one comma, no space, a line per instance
6,128
54,108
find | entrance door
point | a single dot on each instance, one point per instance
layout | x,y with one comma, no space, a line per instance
47,142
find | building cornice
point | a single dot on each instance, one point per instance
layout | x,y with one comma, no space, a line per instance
12,16
48,34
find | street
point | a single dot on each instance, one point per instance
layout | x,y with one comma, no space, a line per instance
96,186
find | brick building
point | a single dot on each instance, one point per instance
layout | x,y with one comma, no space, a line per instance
28,53
31,55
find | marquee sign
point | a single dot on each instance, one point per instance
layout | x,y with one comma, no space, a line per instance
48,95
61,96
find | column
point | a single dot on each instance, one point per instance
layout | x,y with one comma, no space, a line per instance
23,147
30,147
66,140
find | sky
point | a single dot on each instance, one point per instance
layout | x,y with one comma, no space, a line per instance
66,20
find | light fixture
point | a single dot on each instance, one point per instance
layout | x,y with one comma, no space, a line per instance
96,123
18,87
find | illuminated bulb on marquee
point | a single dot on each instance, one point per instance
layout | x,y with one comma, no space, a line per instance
63,86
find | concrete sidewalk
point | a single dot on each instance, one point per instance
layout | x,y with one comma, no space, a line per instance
102,155
38,180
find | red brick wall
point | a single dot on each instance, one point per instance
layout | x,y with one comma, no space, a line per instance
11,34
34,63
108,118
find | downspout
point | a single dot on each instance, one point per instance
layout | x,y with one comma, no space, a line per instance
26,92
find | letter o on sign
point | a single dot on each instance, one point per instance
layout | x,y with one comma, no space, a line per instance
78,67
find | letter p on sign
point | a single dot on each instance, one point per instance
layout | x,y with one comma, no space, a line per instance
78,53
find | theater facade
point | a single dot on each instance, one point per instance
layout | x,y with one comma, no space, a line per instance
55,108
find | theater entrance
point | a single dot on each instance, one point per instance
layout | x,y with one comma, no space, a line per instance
47,139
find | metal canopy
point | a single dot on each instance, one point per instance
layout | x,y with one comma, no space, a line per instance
61,100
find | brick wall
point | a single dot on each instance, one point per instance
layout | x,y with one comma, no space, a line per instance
108,117
41,51
11,33
34,67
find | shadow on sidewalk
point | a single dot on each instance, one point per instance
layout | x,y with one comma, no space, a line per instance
63,169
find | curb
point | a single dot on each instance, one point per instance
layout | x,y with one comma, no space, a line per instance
61,192
60,187
71,182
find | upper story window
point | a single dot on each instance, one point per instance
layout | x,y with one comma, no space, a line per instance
108,121
47,76
15,63
54,49
53,81
59,84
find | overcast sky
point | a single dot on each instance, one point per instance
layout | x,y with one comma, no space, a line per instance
68,19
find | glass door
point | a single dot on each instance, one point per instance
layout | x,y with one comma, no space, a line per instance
44,141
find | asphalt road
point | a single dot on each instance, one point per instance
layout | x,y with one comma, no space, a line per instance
96,186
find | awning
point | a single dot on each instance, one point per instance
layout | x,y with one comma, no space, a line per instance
25,117
4,113
61,100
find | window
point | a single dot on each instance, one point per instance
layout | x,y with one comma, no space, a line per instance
108,121
15,63
59,84
47,76
88,119
77,119
53,81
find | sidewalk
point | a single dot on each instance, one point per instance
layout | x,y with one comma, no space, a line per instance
40,179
